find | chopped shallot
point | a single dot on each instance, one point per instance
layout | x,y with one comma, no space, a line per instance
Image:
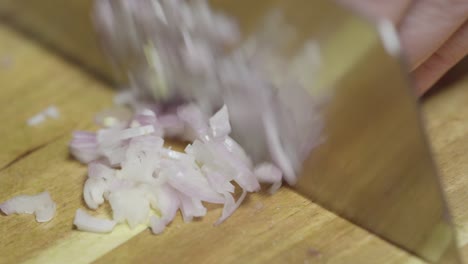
131,169
49,112
219,123
41,205
269,173
85,222
52,112
129,166
230,206
130,205
185,64
36,120
114,117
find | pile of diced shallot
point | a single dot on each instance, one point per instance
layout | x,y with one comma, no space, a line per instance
147,183
180,52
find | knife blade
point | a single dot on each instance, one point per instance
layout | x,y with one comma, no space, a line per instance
375,167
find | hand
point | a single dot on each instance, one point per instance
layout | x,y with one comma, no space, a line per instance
433,33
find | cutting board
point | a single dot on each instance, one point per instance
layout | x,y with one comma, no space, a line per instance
33,159
283,228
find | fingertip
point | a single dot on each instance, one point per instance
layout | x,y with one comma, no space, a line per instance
439,63
421,86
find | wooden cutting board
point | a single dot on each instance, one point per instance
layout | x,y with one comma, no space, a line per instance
284,228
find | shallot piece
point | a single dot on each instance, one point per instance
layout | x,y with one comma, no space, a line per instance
114,117
269,173
85,222
52,112
41,205
230,207
49,112
36,120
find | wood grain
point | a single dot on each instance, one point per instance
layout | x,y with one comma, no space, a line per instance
281,228
32,82
447,123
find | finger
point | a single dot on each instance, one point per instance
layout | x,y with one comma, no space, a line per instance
451,52
378,9
428,24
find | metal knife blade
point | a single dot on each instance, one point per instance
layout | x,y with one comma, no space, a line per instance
375,167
